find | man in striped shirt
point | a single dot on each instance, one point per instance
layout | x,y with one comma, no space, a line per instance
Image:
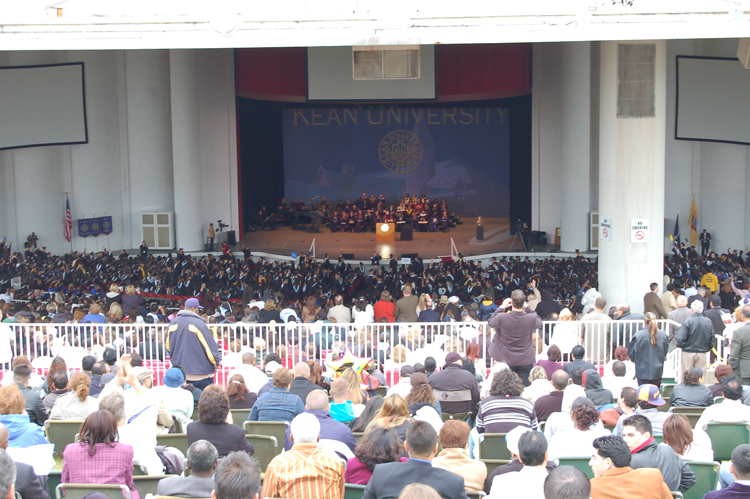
307,471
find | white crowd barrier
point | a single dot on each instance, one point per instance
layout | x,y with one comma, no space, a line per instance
42,342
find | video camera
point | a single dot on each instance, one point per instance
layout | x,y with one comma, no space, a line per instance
221,225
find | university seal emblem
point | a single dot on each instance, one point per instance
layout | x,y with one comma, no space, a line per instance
401,152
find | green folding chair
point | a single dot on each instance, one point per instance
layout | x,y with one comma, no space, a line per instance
53,480
582,463
493,464
461,416
176,440
494,447
706,476
381,390
358,436
269,428
659,439
692,413
79,490
725,437
239,416
352,491
62,433
266,448
147,484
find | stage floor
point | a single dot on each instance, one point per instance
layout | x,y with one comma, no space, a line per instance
285,240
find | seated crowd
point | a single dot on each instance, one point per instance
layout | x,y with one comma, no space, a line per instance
564,393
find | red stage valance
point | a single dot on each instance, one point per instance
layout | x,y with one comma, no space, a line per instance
465,72
271,73
483,71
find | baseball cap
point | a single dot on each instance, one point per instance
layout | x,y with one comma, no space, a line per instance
407,370
173,378
143,373
650,394
512,438
454,299
444,299
452,357
272,366
193,303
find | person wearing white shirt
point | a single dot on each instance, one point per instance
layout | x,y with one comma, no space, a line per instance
576,441
619,379
731,410
362,312
254,377
403,387
529,482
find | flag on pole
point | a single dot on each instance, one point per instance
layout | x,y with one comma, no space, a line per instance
676,233
693,225
68,219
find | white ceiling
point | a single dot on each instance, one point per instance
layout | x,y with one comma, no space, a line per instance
128,24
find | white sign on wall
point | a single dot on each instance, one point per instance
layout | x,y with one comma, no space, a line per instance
639,230
605,229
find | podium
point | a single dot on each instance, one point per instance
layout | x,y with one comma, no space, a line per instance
385,232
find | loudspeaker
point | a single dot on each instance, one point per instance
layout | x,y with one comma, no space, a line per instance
406,234
348,256
743,52
537,236
231,238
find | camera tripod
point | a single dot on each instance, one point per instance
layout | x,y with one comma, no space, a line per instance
518,236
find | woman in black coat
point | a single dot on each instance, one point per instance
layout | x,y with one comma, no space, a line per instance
648,351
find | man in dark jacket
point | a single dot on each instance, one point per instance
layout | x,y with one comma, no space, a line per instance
301,385
696,338
577,362
429,315
627,330
739,358
333,434
34,404
714,313
455,388
649,454
740,468
191,345
592,383
513,341
652,302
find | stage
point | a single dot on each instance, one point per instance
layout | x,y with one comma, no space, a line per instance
285,240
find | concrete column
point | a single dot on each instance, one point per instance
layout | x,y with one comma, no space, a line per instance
631,184
149,137
186,152
575,89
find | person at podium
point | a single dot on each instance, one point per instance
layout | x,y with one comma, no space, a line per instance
444,221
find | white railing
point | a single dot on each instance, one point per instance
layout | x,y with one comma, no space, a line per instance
295,342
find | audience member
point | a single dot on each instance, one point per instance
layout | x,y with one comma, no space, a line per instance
301,385
97,445
539,387
34,406
213,426
27,483
614,478
139,433
457,385
418,491
454,439
403,387
504,409
77,403
687,443
8,476
254,377
22,432
511,441
626,404
567,482
379,445
393,414
720,372
731,410
649,401
389,479
342,409
334,435
576,442
648,454
552,363
577,355
592,383
529,480
178,403
59,387
551,403
422,403
618,379
239,396
696,338
691,392
308,470
279,404
237,477
740,469
202,459
369,413
648,350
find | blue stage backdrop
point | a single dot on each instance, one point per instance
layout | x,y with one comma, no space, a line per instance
453,153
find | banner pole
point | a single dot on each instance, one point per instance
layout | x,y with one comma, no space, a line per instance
96,238
108,245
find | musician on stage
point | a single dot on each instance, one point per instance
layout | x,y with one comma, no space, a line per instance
301,205
335,220
444,221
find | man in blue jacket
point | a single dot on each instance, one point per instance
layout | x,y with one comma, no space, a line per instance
191,345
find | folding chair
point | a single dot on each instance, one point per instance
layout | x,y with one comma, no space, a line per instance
79,490
62,433
706,476
239,416
494,447
692,413
352,491
266,448
582,463
270,428
176,440
725,437
147,484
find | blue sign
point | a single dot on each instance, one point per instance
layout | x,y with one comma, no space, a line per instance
84,228
96,226
107,225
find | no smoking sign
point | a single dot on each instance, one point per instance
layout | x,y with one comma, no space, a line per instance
639,230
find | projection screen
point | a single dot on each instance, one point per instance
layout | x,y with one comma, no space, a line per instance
713,101
42,105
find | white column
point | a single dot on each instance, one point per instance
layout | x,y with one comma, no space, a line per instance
186,152
631,184
575,89
149,137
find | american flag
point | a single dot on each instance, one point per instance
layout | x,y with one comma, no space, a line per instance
68,220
